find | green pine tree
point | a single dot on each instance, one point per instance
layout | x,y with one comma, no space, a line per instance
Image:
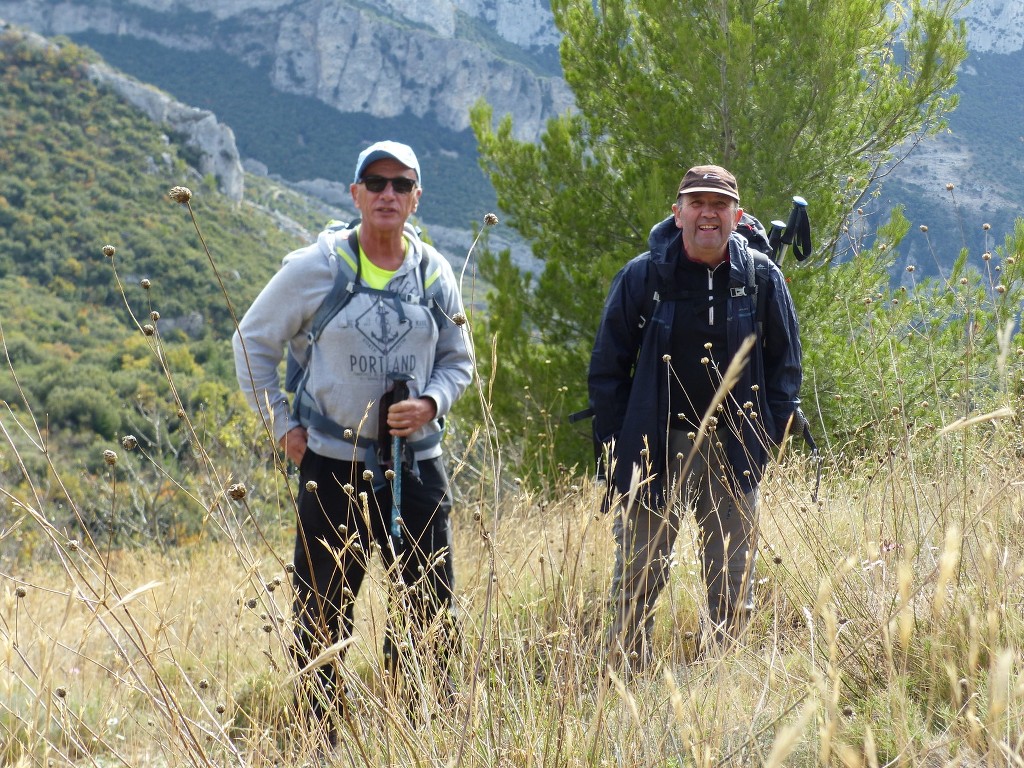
809,98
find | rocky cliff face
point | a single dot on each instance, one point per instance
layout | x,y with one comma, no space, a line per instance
382,57
200,128
995,26
389,57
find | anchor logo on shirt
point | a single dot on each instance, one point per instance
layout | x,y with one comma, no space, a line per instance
381,326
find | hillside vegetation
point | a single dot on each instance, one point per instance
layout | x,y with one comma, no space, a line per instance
80,170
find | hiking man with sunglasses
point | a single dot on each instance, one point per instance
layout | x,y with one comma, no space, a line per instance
393,322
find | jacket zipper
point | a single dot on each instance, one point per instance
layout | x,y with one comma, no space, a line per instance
711,296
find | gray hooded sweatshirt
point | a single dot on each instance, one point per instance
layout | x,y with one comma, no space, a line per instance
365,342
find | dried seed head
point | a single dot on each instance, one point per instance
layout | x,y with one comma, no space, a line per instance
154,315
251,603
289,568
924,227
367,475
204,684
949,187
389,474
910,268
986,226
110,458
986,256
1000,289
180,194
459,319
148,330
61,691
237,491
109,251
347,434
129,442
666,358
490,219
73,545
220,709
144,282
311,486
181,413
348,488
20,591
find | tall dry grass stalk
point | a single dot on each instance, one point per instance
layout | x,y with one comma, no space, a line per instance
889,631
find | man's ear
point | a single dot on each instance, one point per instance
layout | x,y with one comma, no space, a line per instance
739,215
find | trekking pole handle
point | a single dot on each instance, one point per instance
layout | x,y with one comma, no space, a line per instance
401,392
797,214
775,238
799,205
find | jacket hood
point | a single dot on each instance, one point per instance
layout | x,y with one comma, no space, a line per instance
665,239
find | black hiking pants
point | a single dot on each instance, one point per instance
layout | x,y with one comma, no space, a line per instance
333,546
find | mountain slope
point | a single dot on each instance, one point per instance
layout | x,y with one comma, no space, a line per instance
80,169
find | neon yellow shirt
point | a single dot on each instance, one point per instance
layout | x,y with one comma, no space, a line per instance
374,276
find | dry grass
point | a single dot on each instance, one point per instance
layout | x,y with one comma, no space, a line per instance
889,633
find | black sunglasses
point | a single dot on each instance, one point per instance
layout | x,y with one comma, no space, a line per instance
400,184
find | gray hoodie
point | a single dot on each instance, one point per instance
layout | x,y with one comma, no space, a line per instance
367,340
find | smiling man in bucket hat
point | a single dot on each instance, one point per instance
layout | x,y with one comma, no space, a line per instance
649,400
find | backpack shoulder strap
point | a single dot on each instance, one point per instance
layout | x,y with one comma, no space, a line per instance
343,289
340,294
429,274
756,285
652,296
759,276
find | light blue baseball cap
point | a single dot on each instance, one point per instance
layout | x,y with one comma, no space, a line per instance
401,152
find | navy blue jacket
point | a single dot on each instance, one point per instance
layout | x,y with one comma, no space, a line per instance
628,381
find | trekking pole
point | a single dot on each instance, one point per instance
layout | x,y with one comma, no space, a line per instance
400,392
797,232
815,457
775,238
